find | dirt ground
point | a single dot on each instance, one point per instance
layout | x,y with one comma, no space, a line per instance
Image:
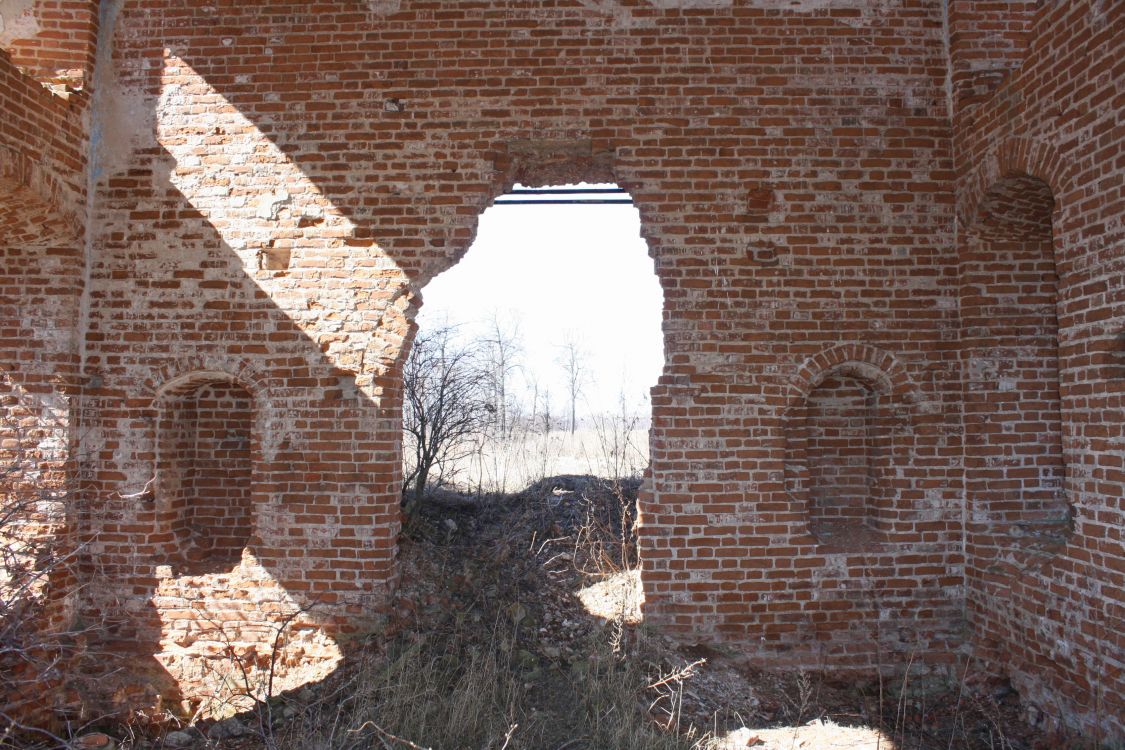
545,582
568,540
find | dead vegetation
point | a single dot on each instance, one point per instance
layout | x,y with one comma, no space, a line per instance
490,647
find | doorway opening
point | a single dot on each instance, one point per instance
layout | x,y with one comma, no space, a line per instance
535,353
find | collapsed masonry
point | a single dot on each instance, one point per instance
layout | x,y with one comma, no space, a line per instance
890,234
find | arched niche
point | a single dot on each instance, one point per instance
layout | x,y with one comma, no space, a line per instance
851,429
207,449
1015,464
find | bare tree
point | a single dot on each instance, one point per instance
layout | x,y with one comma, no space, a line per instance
445,406
502,347
539,418
572,359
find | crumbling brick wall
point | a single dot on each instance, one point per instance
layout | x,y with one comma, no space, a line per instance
42,194
40,282
275,183
43,143
51,41
1043,304
307,171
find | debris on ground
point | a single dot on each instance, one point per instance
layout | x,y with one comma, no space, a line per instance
517,624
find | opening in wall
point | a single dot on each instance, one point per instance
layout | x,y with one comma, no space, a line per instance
545,340
205,464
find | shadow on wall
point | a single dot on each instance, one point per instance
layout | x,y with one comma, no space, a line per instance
245,361
40,284
240,500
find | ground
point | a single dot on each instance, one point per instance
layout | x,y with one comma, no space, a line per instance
517,625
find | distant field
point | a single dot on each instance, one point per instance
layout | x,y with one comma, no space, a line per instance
511,465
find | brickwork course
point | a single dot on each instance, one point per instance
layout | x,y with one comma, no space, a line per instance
890,236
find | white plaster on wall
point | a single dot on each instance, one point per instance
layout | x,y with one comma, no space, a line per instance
17,21
384,7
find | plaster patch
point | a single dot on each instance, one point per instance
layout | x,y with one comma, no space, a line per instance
17,21
384,7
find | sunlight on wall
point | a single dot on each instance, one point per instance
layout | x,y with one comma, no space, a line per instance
295,229
221,629
227,639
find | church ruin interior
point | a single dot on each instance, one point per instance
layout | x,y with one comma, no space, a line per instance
890,235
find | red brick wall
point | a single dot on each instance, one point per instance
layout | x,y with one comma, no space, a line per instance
206,464
988,40
848,450
1039,189
53,41
40,283
43,142
309,168
794,176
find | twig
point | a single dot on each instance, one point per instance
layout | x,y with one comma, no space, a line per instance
508,736
134,495
387,735
679,674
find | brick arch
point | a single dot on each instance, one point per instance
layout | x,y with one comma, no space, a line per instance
879,366
176,377
1022,156
852,403
181,374
208,459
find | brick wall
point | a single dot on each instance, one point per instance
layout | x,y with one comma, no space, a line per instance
849,450
43,143
40,282
205,464
988,39
1043,248
836,256
310,170
52,41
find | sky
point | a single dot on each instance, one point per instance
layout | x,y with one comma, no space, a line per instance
559,272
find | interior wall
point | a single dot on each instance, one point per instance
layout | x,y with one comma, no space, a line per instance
40,284
282,177
308,169
1037,168
51,41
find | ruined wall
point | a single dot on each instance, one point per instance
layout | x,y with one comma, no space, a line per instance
1042,251
294,174
43,143
40,283
51,41
860,338
42,198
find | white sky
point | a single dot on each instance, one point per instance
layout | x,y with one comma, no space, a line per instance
560,271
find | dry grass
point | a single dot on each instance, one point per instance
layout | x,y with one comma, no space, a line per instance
493,646
434,693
